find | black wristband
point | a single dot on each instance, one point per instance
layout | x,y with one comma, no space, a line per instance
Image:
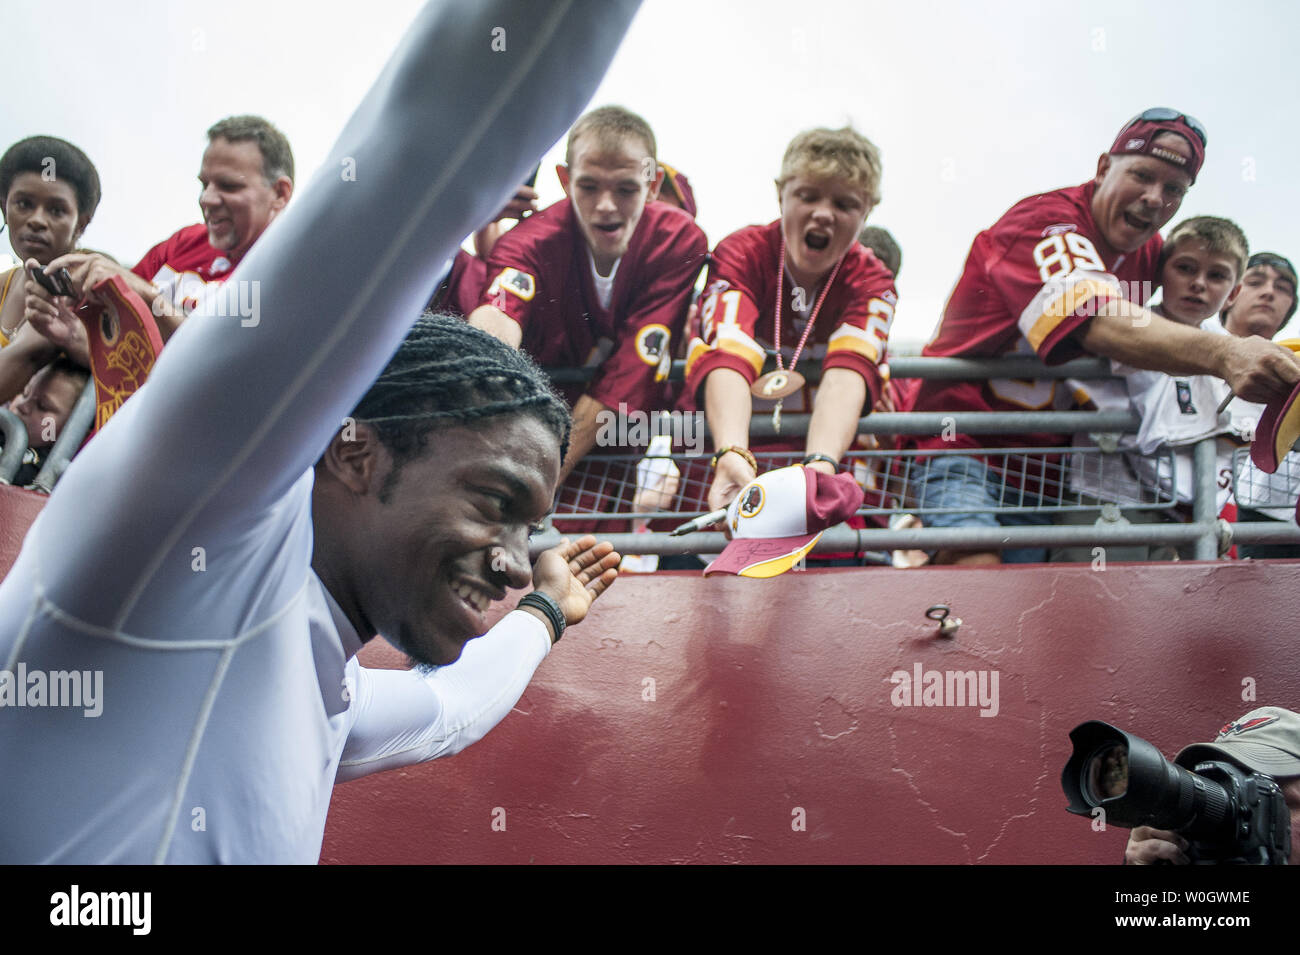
548,606
813,458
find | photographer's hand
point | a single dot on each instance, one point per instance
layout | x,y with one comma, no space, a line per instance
1147,846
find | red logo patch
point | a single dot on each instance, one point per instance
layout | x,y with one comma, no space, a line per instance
1236,729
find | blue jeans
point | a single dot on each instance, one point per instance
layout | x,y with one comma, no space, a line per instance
958,480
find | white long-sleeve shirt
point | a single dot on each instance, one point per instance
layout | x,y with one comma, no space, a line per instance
174,557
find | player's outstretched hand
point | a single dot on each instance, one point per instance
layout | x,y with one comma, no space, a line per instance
1147,846
1260,371
575,573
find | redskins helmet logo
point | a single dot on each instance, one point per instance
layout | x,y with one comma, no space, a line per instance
652,343
109,326
751,501
519,284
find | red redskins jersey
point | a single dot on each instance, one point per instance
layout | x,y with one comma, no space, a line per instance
1030,282
737,315
540,274
184,265
460,290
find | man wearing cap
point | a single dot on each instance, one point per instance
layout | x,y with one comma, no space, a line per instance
1266,740
1064,274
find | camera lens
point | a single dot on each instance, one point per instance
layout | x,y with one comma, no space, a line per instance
1107,772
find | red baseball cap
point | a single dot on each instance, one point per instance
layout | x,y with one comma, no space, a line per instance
1139,134
677,182
779,516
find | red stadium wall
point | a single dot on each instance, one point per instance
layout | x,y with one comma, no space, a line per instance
18,508
772,705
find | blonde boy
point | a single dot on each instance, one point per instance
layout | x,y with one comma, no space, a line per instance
769,283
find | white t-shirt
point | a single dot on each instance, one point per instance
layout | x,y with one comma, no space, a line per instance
174,558
604,283
1176,412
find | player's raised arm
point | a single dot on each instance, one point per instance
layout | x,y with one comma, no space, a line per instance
250,390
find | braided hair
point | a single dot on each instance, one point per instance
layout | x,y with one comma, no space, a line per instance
447,373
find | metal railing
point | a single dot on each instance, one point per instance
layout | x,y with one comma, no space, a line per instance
66,445
80,420
934,369
602,490
601,494
14,434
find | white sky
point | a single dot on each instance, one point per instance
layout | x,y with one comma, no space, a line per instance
973,106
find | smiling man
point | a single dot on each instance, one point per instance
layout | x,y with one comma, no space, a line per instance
263,505
246,178
458,411
600,279
1064,274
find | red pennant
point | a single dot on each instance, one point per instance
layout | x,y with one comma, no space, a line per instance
124,344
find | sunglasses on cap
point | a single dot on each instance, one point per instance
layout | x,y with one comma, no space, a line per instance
1272,260
1163,114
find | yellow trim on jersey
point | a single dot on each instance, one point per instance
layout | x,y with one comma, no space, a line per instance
733,341
696,351
729,338
851,338
736,348
1064,306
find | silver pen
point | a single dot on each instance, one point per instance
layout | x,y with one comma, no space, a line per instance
700,522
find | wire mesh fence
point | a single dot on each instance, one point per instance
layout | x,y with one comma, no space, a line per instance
1258,490
1043,480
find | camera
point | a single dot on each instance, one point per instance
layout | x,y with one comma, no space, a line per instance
59,283
1229,815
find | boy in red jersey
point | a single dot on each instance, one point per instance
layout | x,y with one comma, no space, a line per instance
834,296
600,279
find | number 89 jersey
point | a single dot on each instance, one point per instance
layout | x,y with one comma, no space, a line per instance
1030,281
